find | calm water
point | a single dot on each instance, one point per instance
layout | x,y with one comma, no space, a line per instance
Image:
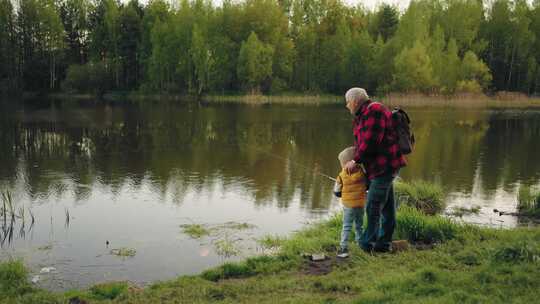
132,175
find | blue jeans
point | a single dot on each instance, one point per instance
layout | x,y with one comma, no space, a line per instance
351,215
381,213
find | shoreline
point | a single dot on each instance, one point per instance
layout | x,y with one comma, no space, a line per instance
447,262
498,100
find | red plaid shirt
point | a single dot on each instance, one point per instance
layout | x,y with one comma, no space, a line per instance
376,140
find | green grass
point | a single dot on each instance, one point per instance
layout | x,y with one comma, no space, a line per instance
465,264
124,252
195,231
108,291
528,201
425,196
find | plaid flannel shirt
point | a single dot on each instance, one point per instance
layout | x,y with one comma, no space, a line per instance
376,140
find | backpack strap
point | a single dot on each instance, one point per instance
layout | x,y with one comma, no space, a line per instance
372,103
401,111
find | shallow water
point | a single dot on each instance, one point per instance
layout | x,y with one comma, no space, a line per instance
133,174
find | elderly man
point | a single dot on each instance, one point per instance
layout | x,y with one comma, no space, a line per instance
378,150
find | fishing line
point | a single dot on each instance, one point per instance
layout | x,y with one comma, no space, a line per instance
294,163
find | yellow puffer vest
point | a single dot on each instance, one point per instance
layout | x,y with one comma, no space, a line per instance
353,192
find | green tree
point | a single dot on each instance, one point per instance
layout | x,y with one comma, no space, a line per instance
155,11
385,22
8,48
475,75
450,74
360,61
535,28
306,65
112,26
437,56
461,21
498,33
335,50
75,19
202,60
129,39
522,42
41,35
413,70
164,58
254,63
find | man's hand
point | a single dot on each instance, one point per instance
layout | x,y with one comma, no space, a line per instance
351,167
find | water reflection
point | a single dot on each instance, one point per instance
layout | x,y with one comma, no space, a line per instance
133,173
176,148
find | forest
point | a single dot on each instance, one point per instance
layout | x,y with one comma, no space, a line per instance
196,47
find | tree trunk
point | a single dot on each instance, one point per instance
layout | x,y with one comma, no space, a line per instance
511,67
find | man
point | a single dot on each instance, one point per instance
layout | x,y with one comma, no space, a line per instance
377,149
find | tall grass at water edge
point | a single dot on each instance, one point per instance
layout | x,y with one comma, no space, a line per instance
528,201
422,195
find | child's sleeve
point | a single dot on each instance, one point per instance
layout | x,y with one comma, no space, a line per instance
338,185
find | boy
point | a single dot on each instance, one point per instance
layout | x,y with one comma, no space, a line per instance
352,190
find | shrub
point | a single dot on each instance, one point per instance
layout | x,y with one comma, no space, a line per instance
13,279
89,78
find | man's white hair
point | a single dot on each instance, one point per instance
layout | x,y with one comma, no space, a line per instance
357,94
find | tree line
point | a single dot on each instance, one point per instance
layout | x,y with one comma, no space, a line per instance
268,46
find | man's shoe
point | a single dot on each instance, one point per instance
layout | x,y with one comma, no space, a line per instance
384,248
343,253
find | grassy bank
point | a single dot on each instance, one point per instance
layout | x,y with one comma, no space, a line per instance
450,263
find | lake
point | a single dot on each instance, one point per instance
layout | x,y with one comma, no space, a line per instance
97,179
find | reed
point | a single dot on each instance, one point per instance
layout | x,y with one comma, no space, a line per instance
68,217
528,201
10,216
257,99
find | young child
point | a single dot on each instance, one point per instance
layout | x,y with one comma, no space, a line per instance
352,190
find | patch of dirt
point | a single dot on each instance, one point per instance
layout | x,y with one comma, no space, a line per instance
322,267
76,300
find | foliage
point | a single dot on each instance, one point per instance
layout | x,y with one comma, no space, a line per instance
13,279
254,63
196,47
414,71
88,78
